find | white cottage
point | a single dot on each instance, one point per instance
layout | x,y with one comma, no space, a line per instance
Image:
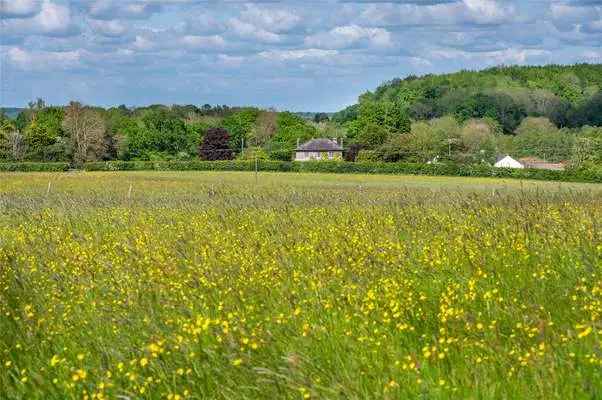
319,149
508,162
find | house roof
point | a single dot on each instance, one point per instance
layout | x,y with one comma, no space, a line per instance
505,157
500,157
534,162
320,145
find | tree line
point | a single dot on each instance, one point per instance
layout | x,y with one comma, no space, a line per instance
78,133
552,112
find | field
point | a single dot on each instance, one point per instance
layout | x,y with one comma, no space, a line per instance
192,285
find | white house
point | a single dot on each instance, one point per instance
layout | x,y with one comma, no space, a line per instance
508,162
319,149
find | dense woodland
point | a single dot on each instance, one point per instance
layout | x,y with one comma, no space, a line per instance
552,112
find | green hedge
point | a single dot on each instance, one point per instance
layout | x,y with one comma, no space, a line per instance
34,166
591,174
574,175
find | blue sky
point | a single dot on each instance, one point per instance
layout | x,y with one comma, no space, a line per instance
298,55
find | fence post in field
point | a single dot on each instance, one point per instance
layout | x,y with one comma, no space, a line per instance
48,188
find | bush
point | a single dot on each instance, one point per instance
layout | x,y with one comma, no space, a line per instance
367,156
34,167
281,155
584,174
251,153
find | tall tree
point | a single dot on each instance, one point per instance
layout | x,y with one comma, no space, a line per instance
321,117
16,146
86,129
215,145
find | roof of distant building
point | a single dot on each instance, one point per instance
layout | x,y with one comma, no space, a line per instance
320,145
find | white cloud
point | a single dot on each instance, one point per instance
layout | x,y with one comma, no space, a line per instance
290,55
42,60
593,56
274,20
479,12
203,42
488,11
112,28
111,9
247,31
52,20
507,56
204,23
349,36
230,61
143,43
19,8
565,17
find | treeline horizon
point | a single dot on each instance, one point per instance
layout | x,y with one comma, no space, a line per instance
550,112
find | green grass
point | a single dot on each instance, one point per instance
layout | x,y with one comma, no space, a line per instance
168,285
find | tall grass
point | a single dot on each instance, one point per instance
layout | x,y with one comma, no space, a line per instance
208,285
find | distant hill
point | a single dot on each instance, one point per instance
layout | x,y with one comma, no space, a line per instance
11,112
560,93
309,116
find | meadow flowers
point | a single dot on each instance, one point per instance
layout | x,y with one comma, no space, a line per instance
288,291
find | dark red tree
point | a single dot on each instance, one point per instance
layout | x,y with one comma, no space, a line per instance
215,145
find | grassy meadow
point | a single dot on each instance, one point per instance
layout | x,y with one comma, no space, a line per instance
200,285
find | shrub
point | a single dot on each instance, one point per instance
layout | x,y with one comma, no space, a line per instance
34,167
583,174
367,156
250,153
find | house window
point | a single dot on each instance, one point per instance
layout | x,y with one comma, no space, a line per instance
330,155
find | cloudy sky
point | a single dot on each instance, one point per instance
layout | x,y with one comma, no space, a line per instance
299,55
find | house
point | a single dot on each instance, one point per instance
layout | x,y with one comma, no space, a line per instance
319,149
537,163
508,162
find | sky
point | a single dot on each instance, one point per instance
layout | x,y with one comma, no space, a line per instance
290,55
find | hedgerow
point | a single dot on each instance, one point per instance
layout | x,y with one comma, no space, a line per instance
34,166
590,174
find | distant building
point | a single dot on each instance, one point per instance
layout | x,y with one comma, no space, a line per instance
319,149
537,163
508,162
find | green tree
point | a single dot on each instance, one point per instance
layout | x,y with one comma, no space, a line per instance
240,125
7,127
159,134
477,141
321,117
391,116
538,125
43,132
291,128
497,106
588,113
538,137
372,136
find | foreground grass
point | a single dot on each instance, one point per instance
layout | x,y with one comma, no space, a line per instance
210,285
